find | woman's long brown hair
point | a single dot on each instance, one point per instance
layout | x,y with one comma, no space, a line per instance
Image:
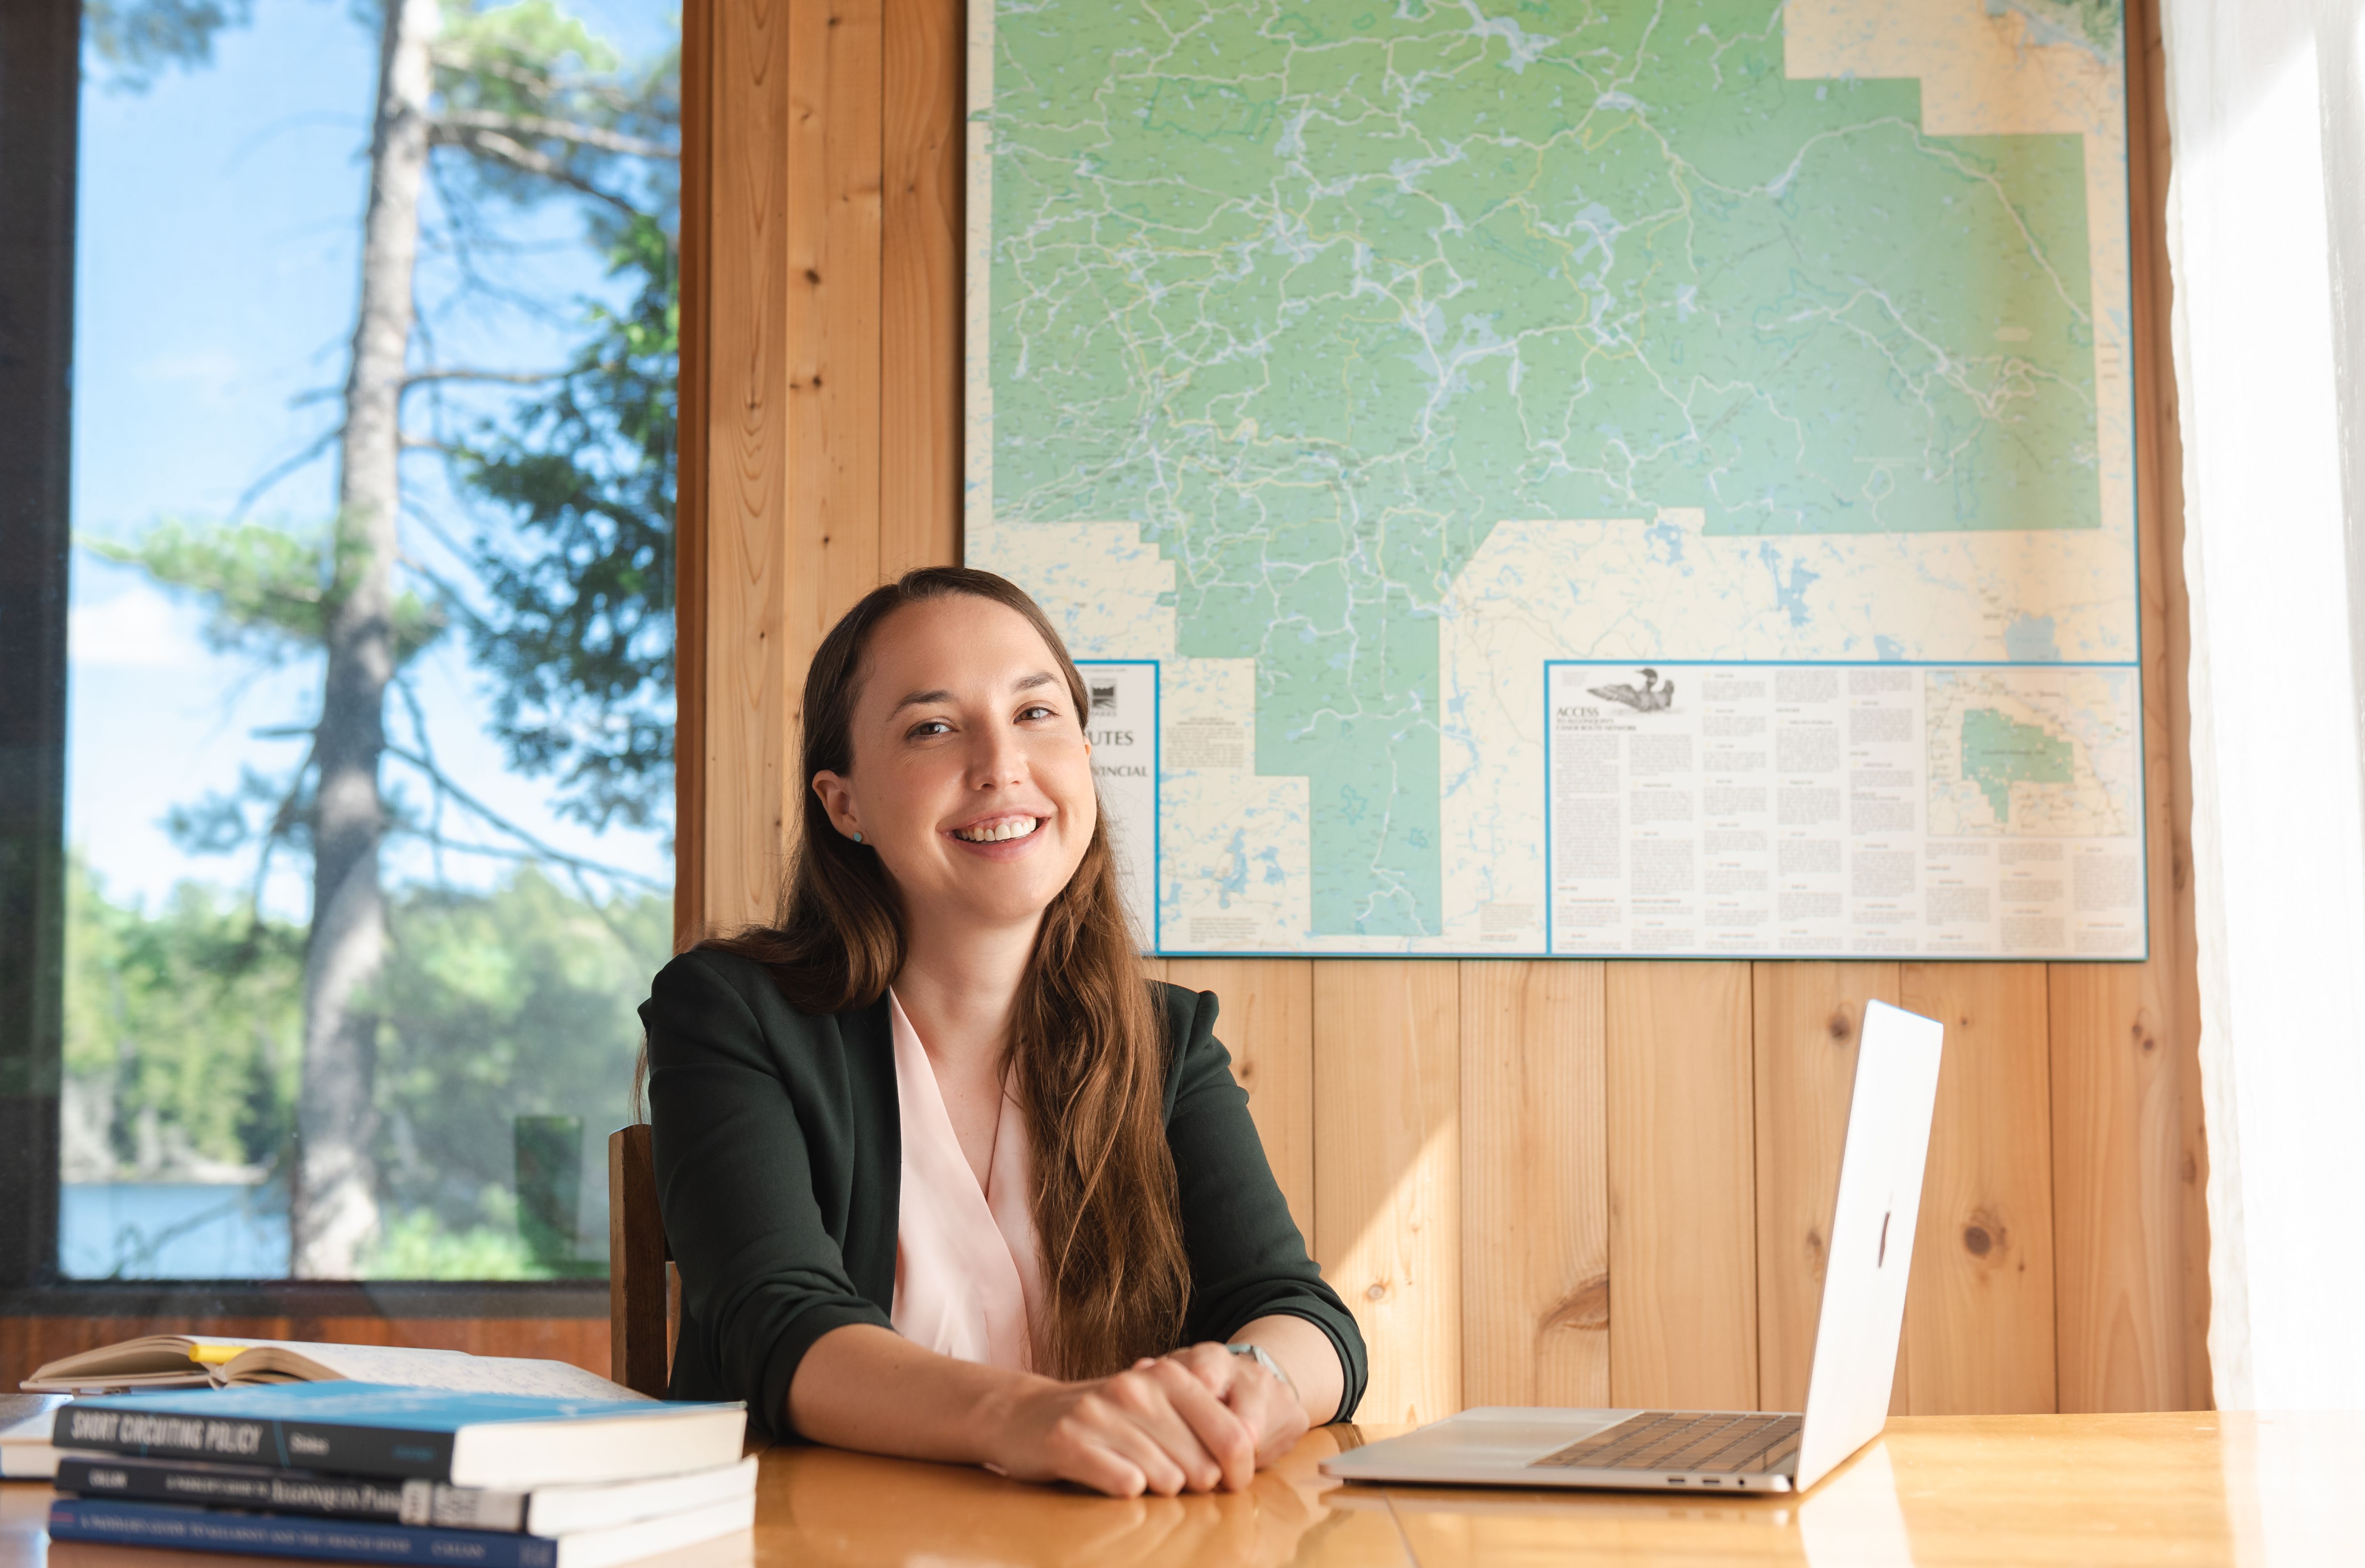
1088,1048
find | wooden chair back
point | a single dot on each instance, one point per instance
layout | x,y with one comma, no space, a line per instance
643,1296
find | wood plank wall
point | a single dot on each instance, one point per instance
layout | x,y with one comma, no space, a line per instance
1567,1183
829,458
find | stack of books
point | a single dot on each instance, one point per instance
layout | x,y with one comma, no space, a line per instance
25,1450
364,1472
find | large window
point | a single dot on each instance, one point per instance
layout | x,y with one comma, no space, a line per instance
369,727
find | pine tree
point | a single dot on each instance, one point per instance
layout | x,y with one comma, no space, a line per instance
525,105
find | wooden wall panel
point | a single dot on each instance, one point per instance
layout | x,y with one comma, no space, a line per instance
1535,1192
748,674
1387,1199
692,454
2131,1234
1267,1022
1683,1231
830,294
920,286
835,82
1978,1315
2167,631
1806,1024
2118,1128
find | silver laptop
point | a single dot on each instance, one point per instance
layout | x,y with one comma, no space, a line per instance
1740,1450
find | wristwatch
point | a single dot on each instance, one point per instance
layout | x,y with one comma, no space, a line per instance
1263,1357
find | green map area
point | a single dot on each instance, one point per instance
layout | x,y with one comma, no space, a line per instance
1317,293
1998,750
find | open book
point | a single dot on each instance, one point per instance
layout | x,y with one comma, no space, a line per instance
192,1361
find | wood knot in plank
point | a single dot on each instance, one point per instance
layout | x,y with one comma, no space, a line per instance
1588,1307
1984,1233
1842,1026
1377,1291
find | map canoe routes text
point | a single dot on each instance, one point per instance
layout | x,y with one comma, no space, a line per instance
1361,385
1861,808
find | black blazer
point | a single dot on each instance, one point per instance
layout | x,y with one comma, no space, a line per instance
779,1155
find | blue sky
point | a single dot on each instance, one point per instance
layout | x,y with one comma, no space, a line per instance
216,269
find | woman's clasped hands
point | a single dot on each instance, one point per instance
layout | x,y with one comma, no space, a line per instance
1199,1419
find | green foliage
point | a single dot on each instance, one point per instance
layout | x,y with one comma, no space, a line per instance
498,1004
420,1246
135,41
188,1019
543,106
263,589
517,57
221,823
515,1000
579,630
580,633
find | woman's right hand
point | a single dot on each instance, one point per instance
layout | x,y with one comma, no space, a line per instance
1155,1427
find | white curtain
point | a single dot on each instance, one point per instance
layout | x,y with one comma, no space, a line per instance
2267,244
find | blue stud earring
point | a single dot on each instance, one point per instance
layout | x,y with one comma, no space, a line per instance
857,838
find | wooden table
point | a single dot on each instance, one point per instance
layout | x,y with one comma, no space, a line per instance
2263,1492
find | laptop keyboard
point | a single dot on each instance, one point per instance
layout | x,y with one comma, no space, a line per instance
1722,1444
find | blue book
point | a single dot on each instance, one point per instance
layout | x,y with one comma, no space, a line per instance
346,1540
280,1535
510,1441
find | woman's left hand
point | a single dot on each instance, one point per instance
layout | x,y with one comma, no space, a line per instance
1269,1407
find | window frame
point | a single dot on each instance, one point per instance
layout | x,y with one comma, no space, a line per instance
40,96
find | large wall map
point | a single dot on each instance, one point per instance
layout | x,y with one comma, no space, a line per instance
1355,363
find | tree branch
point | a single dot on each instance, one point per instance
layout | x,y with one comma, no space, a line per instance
494,147
282,824
514,377
542,853
256,492
494,819
537,83
541,127
427,749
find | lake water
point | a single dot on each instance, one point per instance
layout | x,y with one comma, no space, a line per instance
171,1230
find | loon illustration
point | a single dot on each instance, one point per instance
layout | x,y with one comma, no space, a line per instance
1653,698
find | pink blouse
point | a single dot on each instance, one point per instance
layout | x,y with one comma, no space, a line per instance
968,1283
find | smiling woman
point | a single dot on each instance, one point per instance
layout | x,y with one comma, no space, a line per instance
933,1131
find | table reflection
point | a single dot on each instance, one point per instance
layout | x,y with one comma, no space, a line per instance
825,1506
1853,1519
